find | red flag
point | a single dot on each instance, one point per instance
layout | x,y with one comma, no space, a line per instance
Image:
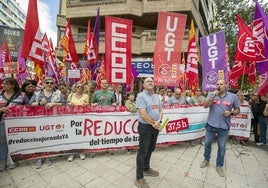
88,38
238,70
5,53
67,44
101,73
52,51
118,42
245,49
31,42
192,60
167,53
45,45
252,76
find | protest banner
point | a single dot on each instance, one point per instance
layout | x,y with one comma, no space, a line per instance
34,133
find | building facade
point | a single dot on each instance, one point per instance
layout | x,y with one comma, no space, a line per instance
11,15
144,14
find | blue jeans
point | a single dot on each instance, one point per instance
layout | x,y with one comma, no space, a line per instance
147,142
263,129
3,142
209,138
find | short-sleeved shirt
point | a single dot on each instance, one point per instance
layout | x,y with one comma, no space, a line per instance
72,99
220,104
151,103
103,97
55,97
173,100
20,99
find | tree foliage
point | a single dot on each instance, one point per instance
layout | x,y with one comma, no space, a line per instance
225,19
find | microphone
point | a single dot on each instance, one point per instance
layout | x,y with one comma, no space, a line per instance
217,91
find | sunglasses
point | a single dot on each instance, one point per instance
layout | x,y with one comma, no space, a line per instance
51,83
79,86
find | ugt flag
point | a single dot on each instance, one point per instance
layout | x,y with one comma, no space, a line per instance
167,53
213,60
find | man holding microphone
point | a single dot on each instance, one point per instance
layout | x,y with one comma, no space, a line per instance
222,105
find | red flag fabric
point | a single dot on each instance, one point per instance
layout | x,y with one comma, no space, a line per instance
87,42
67,44
118,42
167,54
192,60
252,76
238,69
245,49
101,73
31,42
5,53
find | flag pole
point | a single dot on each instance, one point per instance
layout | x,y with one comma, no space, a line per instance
243,76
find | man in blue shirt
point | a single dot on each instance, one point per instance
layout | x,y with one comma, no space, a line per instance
150,114
222,105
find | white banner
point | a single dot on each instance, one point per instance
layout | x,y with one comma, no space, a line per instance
92,131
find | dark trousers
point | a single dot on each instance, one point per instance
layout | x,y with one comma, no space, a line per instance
147,142
254,123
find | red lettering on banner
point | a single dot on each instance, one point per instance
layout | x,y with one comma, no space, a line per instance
177,125
89,124
108,125
240,116
116,127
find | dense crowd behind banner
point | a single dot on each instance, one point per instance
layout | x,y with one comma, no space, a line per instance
33,132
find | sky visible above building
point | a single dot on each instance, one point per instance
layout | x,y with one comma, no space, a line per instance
47,13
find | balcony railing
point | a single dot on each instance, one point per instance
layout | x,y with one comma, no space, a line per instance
74,3
150,35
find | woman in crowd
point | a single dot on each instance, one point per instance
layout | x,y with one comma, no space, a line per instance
74,99
11,95
47,97
29,87
63,87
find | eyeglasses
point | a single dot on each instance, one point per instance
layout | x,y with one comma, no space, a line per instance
79,86
51,83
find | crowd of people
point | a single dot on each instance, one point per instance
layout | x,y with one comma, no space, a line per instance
53,94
